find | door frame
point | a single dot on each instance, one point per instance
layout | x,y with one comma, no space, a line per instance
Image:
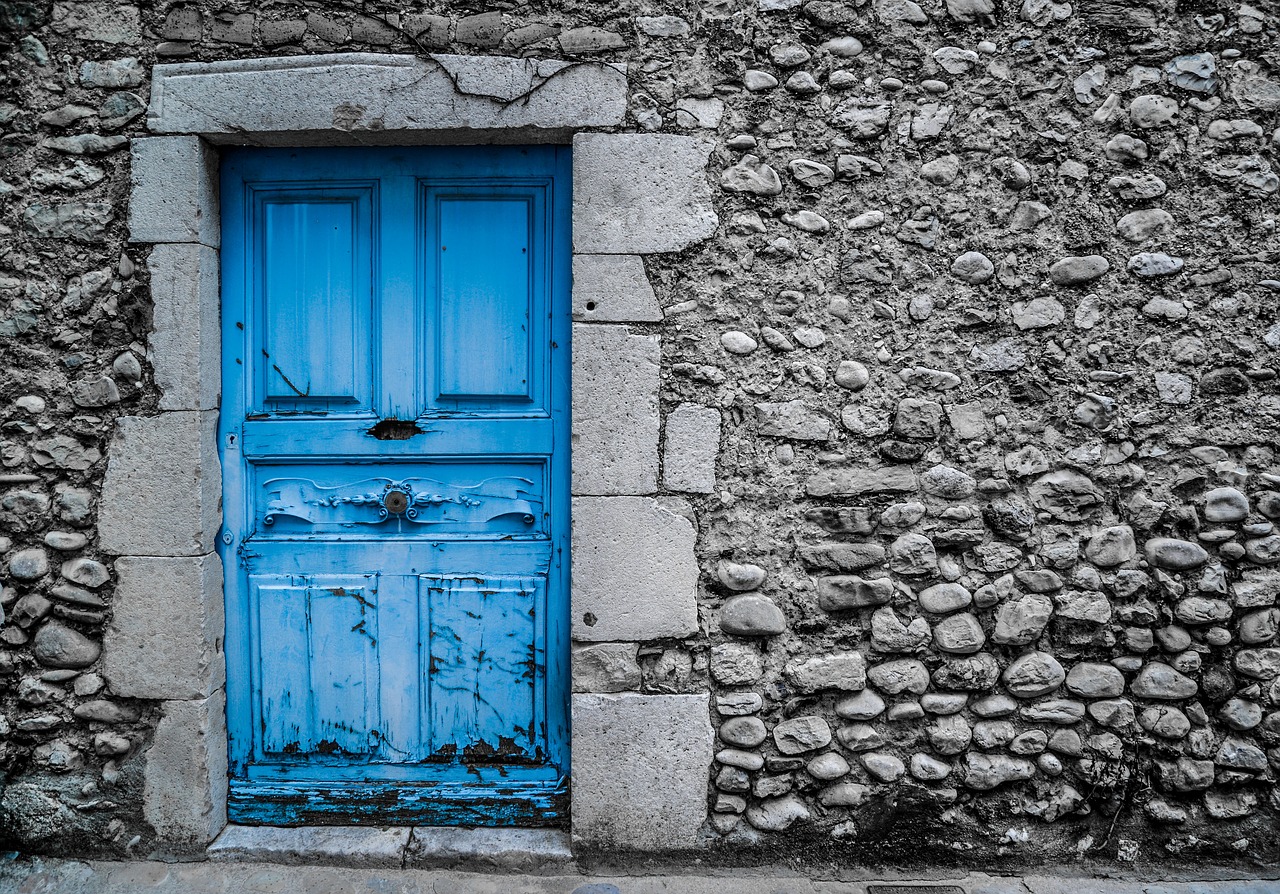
640,761
282,794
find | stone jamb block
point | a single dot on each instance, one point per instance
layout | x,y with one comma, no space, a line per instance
175,191
162,494
613,289
165,637
615,411
184,795
640,770
640,193
186,339
691,446
374,98
635,575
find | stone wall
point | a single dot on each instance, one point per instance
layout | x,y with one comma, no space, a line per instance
971,398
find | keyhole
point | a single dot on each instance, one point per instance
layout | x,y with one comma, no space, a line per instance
396,502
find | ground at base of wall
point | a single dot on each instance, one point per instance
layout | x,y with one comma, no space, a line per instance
80,877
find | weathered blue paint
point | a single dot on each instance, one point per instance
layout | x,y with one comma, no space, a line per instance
394,440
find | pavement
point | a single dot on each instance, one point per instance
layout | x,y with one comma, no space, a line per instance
36,875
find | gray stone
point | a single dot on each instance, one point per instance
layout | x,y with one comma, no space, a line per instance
56,645
355,846
987,771
185,774
185,344
1033,674
1094,680
739,576
1197,610
1175,555
884,767
896,677
801,734
949,735
1225,505
943,598
1260,627
889,634
777,814
162,492
959,634
1144,224
613,289
640,193
752,614
947,483
736,664
857,482
1112,546
1260,664
29,564
356,93
80,221
615,411
1159,681
1077,271
605,667
828,766
744,732
792,419
112,73
174,194
842,670
640,769
751,175
866,705
1165,721
913,555
85,572
166,630
648,548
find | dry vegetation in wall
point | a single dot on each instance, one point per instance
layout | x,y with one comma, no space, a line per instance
989,564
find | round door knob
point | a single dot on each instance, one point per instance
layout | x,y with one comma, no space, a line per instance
396,501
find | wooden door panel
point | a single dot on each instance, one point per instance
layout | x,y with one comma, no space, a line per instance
314,257
319,684
482,253
485,667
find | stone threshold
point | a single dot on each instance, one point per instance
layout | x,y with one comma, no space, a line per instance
395,847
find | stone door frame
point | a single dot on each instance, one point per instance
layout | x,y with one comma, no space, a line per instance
640,762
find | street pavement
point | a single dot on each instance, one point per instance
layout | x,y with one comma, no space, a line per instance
26,875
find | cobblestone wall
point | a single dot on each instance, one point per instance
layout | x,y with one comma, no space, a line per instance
988,333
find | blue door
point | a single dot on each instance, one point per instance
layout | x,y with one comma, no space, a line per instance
395,447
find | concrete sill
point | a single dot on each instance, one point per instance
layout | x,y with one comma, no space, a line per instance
394,847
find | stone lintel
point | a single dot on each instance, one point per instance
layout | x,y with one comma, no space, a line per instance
640,193
162,492
615,410
175,191
380,99
185,344
634,571
640,769
184,795
165,637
